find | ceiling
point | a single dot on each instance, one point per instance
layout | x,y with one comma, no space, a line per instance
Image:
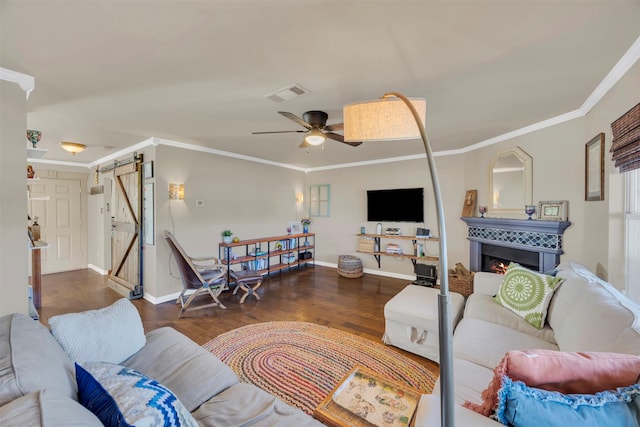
111,74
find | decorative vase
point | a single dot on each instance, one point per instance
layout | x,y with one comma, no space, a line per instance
34,136
226,239
305,228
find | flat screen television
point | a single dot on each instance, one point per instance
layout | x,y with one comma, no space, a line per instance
396,205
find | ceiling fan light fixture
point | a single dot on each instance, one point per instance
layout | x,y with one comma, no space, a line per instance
72,147
315,137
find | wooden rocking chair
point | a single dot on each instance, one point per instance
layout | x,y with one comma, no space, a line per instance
200,275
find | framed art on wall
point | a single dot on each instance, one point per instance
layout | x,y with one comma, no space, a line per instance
553,210
594,169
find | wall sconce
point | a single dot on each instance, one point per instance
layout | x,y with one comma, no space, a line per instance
299,198
176,191
72,147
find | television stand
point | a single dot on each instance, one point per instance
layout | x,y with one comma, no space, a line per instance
379,253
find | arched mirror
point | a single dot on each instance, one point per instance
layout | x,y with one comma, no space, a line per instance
510,181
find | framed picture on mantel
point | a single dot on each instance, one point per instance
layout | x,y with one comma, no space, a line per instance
594,169
553,210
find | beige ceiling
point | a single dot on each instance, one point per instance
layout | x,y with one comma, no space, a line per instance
110,74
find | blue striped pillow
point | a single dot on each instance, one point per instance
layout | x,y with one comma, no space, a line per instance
123,397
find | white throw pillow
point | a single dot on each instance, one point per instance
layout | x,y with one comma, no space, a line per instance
111,334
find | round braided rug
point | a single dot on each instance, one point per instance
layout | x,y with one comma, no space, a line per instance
302,362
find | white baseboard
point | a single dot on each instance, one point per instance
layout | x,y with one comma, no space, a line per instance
98,269
159,300
369,271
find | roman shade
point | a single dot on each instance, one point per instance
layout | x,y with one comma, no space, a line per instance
625,147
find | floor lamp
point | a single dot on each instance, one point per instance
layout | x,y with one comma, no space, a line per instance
396,117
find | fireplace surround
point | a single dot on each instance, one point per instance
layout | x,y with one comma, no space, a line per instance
534,244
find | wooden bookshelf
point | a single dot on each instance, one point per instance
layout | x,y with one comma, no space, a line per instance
264,251
414,239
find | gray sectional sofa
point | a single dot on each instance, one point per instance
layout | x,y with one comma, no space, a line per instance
38,385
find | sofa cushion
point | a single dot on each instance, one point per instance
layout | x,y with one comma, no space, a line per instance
110,334
170,357
483,307
122,397
581,305
523,406
46,409
485,343
31,360
245,404
469,379
527,293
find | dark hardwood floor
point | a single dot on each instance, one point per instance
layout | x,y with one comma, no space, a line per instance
313,294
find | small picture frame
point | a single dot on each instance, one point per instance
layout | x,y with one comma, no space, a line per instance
296,228
147,170
594,169
557,210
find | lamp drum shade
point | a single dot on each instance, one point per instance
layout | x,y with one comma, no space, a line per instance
384,119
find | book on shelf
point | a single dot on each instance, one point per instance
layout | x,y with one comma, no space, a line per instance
258,264
393,248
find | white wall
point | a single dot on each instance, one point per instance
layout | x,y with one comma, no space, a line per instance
13,200
251,199
337,234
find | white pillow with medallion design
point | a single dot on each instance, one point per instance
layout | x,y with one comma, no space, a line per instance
527,293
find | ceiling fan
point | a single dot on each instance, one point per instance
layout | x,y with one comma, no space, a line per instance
317,130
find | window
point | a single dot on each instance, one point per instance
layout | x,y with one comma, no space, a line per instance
632,233
319,200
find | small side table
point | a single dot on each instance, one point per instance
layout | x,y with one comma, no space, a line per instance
244,280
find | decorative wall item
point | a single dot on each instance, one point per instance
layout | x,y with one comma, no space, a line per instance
320,200
594,169
553,210
147,170
148,215
34,136
469,207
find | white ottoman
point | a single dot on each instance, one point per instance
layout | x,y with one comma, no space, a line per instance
411,320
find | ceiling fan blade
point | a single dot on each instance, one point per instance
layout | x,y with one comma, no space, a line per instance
335,126
296,119
280,131
340,138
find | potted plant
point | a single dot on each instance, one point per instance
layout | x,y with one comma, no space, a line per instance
226,236
305,224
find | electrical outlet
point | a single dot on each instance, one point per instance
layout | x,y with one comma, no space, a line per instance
200,203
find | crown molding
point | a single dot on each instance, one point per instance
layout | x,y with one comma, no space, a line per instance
25,81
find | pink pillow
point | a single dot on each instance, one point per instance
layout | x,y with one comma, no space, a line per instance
565,372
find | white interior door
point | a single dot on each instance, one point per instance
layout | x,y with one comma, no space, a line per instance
60,222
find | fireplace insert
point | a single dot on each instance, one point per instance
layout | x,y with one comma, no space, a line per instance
496,259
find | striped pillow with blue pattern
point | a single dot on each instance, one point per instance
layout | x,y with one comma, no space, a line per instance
122,397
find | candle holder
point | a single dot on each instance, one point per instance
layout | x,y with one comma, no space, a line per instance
529,210
482,210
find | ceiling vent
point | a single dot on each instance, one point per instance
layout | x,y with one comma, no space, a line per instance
287,93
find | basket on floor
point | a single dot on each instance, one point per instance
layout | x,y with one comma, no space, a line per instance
349,266
462,284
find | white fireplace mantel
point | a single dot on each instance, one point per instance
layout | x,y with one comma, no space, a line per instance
542,237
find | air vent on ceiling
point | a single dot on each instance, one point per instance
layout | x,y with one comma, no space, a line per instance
287,93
